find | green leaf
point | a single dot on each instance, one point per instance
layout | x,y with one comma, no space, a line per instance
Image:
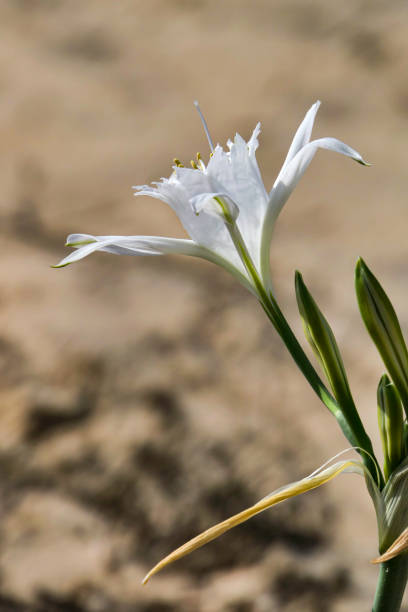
323,342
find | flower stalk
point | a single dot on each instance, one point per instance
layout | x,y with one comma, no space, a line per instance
351,426
391,584
344,411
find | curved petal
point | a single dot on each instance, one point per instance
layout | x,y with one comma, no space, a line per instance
293,171
303,133
85,244
287,180
337,146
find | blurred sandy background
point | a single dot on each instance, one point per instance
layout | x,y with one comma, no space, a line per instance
142,400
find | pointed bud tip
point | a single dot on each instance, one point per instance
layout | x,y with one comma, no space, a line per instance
299,283
364,273
361,266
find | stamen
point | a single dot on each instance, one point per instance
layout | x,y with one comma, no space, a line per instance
200,163
178,163
203,121
193,164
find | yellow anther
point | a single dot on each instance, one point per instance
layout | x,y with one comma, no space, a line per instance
178,163
200,163
193,164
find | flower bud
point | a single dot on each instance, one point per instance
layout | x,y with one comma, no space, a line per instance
383,326
322,340
391,510
391,425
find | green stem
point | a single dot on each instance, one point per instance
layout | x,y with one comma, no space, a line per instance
353,428
350,423
391,585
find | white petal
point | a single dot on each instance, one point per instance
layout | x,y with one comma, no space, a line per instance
77,240
85,244
280,194
287,180
237,174
332,144
303,133
206,202
289,177
253,143
206,230
193,181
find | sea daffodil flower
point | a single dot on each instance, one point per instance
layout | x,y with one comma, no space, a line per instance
223,206
229,216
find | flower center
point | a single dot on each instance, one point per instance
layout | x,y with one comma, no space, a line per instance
199,164
196,165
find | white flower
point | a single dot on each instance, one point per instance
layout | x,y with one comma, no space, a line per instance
223,206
